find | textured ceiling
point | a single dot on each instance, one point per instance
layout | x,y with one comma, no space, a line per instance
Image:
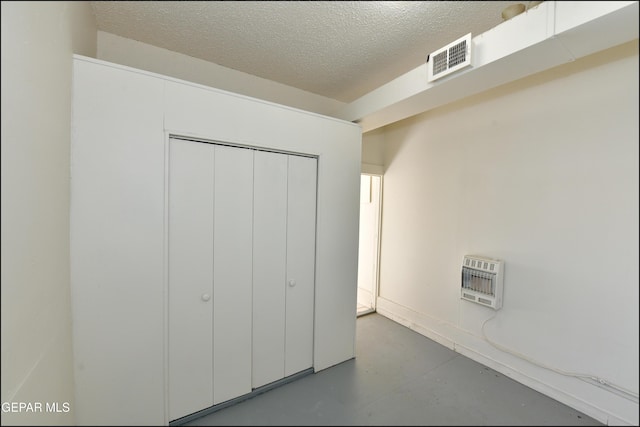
338,49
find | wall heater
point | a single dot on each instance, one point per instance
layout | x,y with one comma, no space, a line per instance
482,281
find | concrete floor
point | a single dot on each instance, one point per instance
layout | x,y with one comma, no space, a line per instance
399,377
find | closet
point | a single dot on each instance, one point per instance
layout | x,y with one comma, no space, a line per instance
213,244
241,270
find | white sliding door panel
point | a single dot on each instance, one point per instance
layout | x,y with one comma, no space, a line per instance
301,232
232,255
269,263
190,277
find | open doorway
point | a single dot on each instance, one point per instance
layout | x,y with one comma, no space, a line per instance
370,198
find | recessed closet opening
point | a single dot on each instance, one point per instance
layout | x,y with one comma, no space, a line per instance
241,232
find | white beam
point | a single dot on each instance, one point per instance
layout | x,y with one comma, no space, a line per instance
543,37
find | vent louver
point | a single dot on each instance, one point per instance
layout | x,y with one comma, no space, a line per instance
450,58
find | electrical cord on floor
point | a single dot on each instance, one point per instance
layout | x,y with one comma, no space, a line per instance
619,390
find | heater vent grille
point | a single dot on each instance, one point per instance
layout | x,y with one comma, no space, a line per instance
482,280
450,58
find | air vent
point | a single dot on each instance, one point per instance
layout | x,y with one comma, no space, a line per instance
482,281
451,58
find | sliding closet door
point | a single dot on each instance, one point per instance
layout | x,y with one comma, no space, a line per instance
301,233
232,272
241,271
269,266
210,274
283,265
190,277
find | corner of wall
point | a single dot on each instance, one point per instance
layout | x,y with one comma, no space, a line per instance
38,40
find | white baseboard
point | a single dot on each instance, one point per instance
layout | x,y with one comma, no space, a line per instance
600,404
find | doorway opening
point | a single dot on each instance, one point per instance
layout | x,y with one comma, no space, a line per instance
370,212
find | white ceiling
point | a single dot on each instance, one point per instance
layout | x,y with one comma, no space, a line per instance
338,49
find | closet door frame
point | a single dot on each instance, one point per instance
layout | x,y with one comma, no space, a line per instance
197,139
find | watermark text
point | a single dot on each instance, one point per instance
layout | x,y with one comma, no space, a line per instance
33,407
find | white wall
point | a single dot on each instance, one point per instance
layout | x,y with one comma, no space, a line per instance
140,55
373,147
38,39
542,173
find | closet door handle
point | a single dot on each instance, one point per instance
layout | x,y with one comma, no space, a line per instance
206,297
291,283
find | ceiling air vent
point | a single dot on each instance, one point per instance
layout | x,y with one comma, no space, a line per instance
451,58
